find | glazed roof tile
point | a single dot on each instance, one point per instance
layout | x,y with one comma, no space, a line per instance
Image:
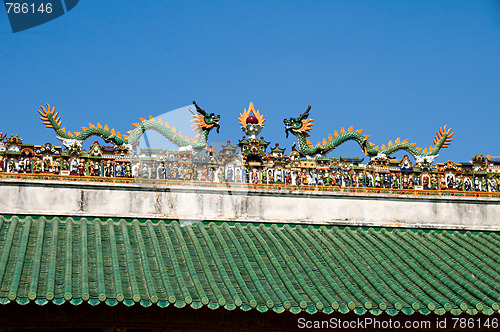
266,267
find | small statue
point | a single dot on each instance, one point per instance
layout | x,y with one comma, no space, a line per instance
369,180
128,170
492,185
204,174
416,180
27,165
484,186
377,180
361,180
477,184
468,184
460,183
195,173
38,165
434,182
288,178
145,171
411,182
152,171
405,182
81,167
57,167
229,175
425,181
12,166
450,183
442,182
46,164
254,177
74,166
320,178
64,165
387,181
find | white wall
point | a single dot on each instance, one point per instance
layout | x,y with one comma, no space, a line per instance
228,204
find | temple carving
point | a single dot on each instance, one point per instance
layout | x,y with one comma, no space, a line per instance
250,162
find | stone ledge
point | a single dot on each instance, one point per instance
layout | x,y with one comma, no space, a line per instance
247,205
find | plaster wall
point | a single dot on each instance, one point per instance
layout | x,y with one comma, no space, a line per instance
228,204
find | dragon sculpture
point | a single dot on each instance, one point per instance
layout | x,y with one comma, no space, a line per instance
301,126
202,121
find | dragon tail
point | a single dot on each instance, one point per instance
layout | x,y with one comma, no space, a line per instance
443,139
50,118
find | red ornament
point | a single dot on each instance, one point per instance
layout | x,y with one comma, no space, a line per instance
252,119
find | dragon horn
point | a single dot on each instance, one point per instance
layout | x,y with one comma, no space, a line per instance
202,112
305,114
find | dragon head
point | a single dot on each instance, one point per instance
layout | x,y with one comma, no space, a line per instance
300,125
204,120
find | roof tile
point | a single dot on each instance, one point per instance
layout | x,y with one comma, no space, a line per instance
248,266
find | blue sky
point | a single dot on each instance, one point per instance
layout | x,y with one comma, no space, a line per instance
392,68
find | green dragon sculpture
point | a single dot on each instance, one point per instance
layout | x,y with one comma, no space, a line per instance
202,121
301,126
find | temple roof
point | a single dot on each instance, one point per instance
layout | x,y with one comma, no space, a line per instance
261,266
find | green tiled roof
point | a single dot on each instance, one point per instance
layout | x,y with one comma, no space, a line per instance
266,267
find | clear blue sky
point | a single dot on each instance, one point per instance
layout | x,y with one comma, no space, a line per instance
392,68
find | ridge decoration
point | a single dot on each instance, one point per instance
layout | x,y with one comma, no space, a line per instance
203,122
302,125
